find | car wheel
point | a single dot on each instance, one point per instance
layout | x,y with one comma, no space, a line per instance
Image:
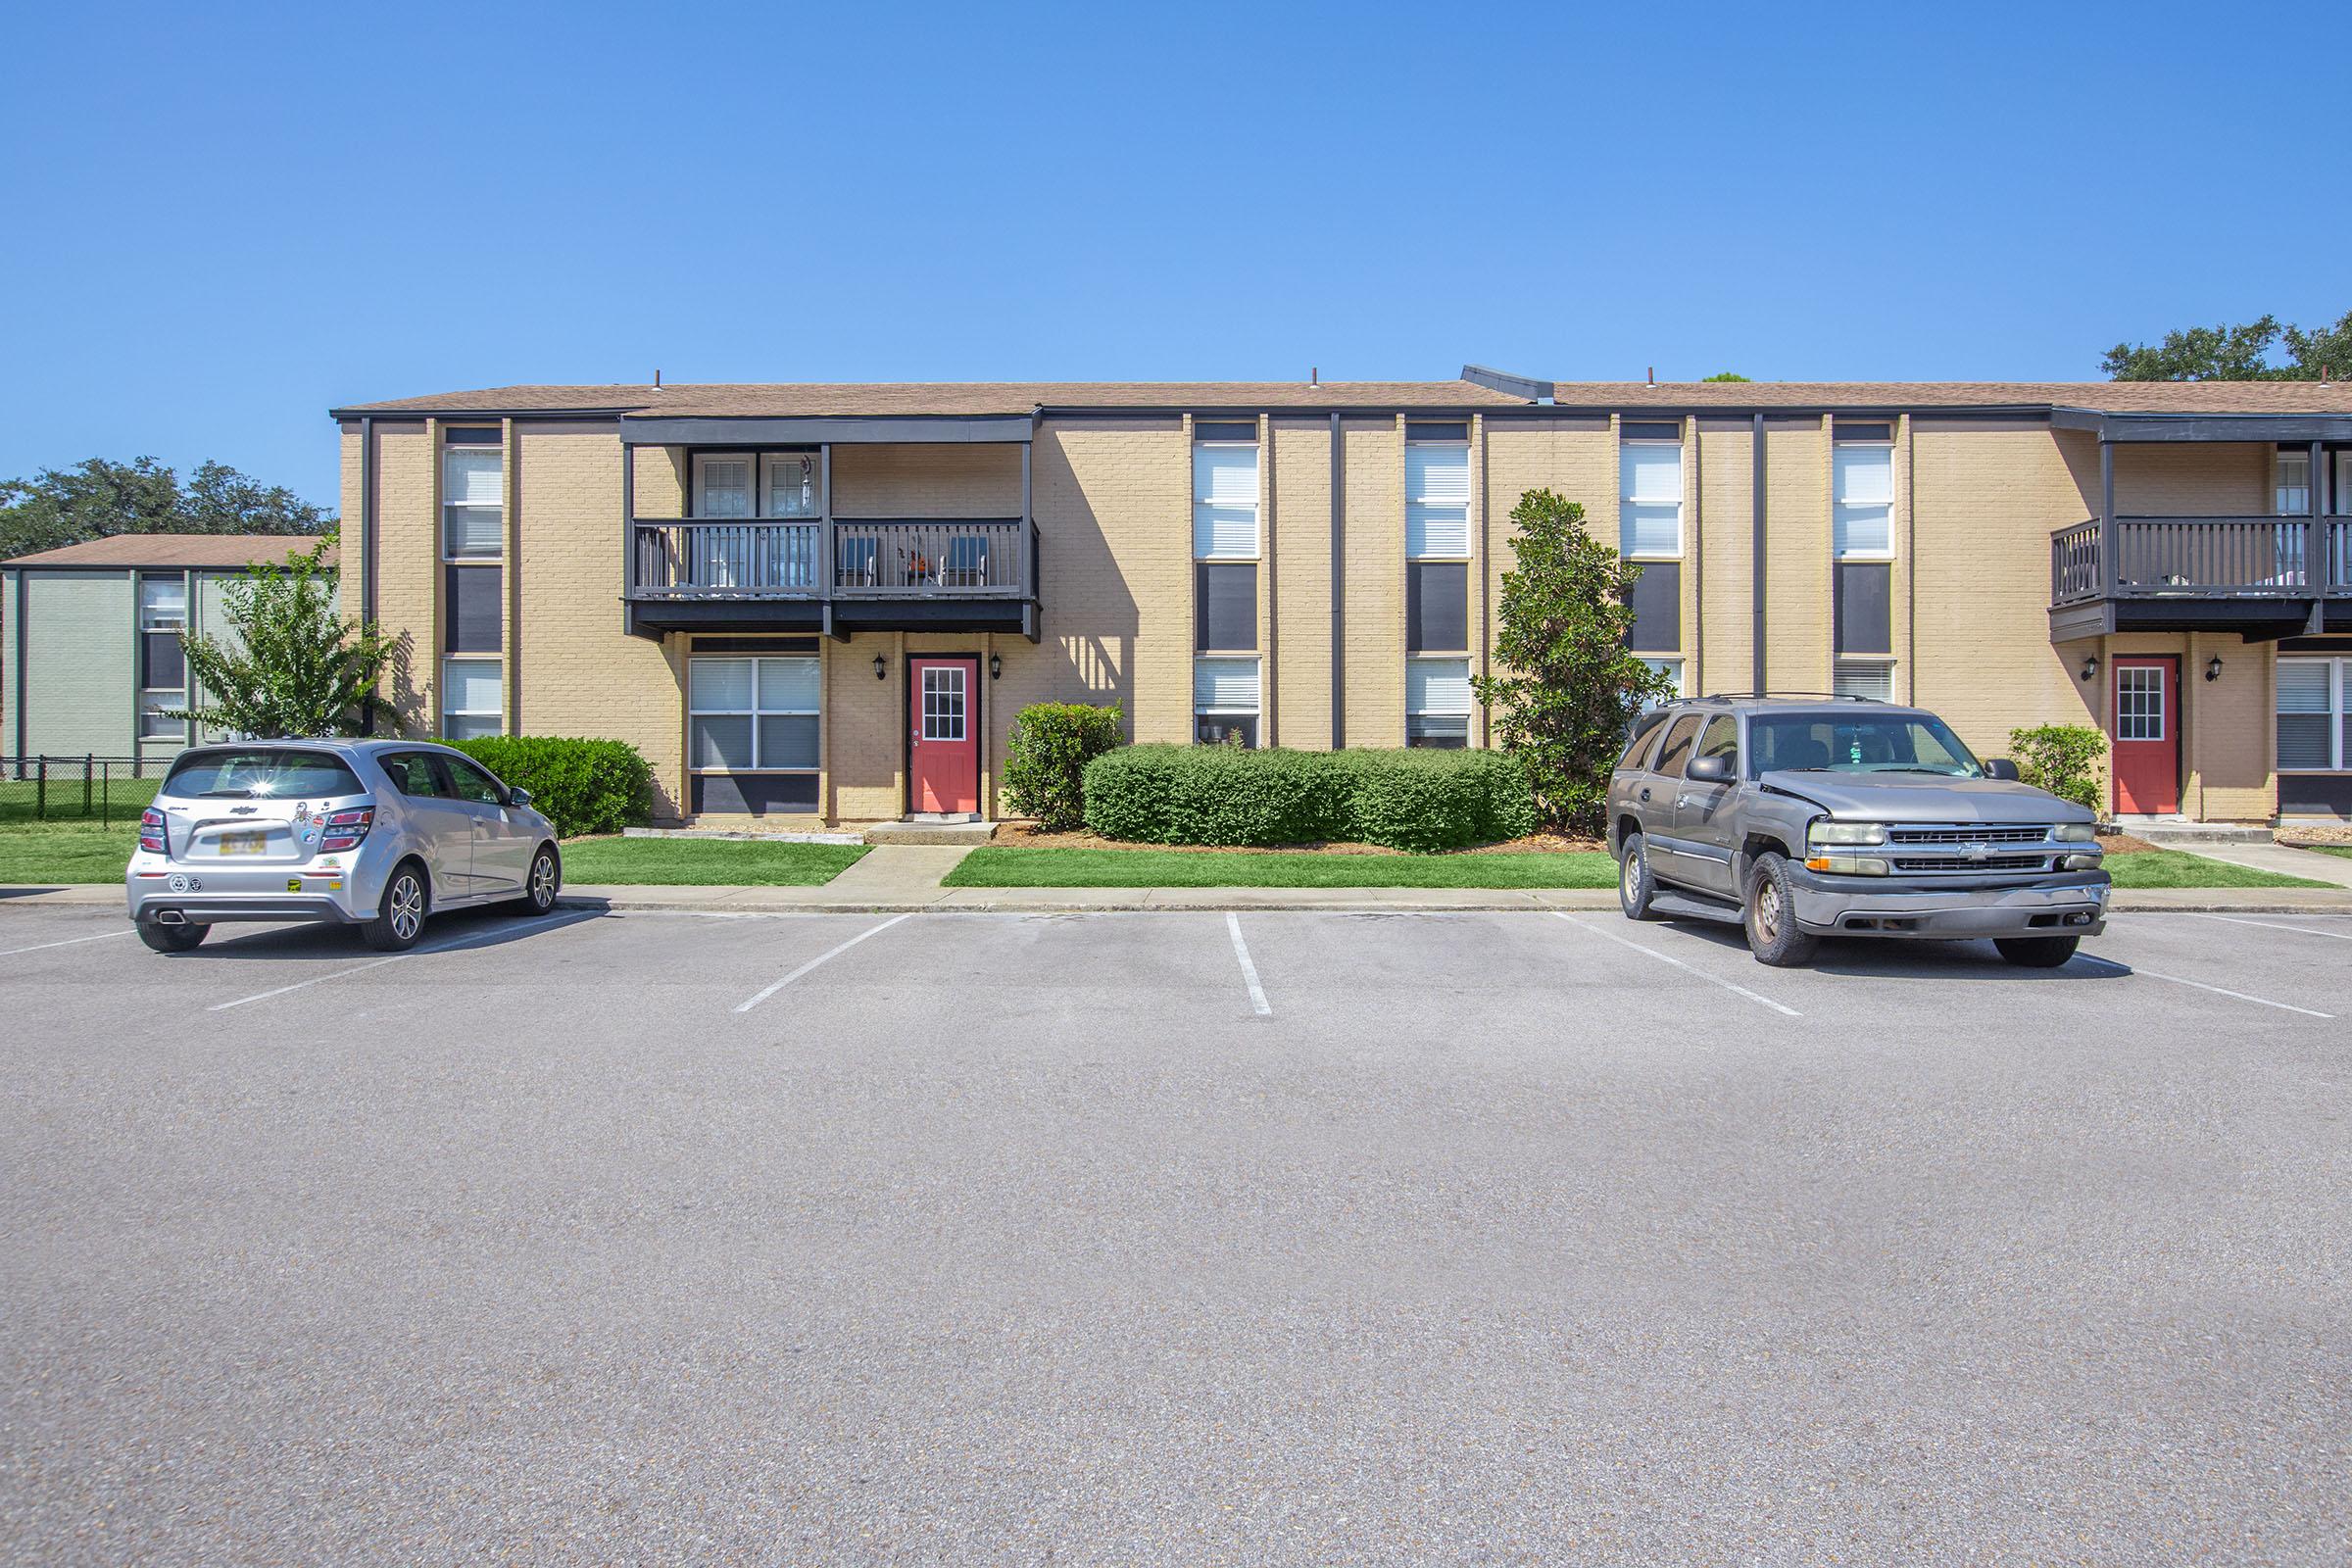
171,938
1771,922
1635,883
2037,952
399,913
545,881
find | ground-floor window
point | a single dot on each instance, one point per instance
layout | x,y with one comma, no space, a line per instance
1873,678
470,699
2314,715
1672,669
1225,701
753,714
1437,702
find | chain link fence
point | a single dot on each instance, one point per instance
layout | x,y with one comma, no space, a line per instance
76,789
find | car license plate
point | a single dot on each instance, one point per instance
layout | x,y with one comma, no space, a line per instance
243,842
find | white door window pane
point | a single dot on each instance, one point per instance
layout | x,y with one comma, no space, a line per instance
943,702
791,485
719,685
1225,685
1437,686
788,741
162,604
2139,704
721,741
1224,501
2292,494
788,685
722,487
1436,506
1854,678
2341,498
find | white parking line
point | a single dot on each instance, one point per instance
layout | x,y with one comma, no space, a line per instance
822,957
2273,925
1664,957
519,928
1240,950
69,942
2199,985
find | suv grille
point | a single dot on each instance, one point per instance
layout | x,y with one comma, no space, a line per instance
2033,833
1956,865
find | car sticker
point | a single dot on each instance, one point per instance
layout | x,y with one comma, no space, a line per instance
293,884
182,882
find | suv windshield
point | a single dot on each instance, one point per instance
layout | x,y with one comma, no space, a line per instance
260,773
1861,743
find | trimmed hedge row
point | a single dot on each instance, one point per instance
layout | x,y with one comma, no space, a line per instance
1405,800
582,786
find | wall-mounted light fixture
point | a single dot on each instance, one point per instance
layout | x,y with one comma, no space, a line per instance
2090,666
881,668
2213,667
996,665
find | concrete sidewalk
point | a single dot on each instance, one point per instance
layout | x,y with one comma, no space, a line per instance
2284,861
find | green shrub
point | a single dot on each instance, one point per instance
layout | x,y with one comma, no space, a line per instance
1045,757
1230,795
2066,760
582,786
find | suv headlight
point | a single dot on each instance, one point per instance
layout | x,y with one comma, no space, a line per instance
2076,832
1848,832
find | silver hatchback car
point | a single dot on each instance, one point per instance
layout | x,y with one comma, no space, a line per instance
376,834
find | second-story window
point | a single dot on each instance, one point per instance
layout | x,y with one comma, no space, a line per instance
722,485
1225,558
1436,539
1862,545
162,665
1224,491
1649,529
1862,523
473,502
2290,482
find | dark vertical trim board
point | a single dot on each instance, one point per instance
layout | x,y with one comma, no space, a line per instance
1339,586
1755,588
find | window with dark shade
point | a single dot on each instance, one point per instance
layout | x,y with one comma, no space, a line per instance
1437,606
1437,429
1224,604
470,622
1657,602
1649,430
1225,429
1865,606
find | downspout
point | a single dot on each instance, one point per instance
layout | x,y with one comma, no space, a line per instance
368,556
1339,589
16,709
1755,587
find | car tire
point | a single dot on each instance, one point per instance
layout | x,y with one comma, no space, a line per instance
1634,883
2037,952
540,887
1769,919
171,938
399,913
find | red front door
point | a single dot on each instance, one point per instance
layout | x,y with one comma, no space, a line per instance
2147,735
942,770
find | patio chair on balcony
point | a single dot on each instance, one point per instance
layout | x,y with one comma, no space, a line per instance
965,563
855,563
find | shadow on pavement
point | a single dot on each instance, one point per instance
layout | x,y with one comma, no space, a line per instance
1913,959
460,928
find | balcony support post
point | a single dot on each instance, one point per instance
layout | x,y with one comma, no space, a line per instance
825,576
1030,609
2110,538
629,538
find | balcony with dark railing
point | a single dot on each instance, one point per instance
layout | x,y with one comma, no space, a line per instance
965,574
2259,575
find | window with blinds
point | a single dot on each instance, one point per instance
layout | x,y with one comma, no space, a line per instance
1225,500
2314,715
473,508
1863,677
1437,500
753,714
470,691
722,486
2291,488
1862,516
1225,701
1437,702
1650,500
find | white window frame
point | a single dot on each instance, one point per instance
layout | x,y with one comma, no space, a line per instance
2339,699
756,712
696,490
1672,666
497,715
764,502
153,726
1465,712
2280,458
1627,501
1881,665
1411,501
1257,520
473,449
1255,710
1839,550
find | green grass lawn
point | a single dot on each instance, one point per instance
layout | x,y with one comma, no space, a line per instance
2178,868
706,863
122,800
46,853
992,867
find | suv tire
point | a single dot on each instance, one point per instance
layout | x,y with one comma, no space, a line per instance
399,913
1634,883
173,938
2037,952
1769,919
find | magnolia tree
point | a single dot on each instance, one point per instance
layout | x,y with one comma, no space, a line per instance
291,664
1567,690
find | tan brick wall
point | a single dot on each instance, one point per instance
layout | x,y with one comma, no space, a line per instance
1372,450
2231,729
408,569
945,480
1725,558
2193,479
1299,576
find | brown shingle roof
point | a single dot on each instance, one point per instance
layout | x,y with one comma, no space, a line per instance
2106,396
169,549
955,398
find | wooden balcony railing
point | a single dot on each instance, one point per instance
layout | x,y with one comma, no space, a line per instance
989,558
2202,558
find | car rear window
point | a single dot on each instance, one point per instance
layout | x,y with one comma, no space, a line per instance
260,773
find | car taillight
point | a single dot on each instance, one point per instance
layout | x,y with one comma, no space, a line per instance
345,829
151,832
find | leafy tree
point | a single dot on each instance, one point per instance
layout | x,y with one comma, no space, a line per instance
1727,376
2240,353
1569,688
96,499
293,666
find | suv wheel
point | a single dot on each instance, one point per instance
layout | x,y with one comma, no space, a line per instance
1771,922
2037,952
1635,883
400,914
171,938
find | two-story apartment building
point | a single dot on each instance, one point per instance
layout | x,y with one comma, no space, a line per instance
822,604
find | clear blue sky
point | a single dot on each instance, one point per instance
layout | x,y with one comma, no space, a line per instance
223,220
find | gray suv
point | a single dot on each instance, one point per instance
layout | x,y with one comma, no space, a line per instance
1801,818
376,834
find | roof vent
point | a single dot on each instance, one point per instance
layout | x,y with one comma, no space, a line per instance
656,378
1314,375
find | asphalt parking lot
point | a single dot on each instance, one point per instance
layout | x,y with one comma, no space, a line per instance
1270,1237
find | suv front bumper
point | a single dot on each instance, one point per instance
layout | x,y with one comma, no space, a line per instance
2066,904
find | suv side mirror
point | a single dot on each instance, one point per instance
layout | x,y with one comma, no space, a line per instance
1711,769
2000,767
519,797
